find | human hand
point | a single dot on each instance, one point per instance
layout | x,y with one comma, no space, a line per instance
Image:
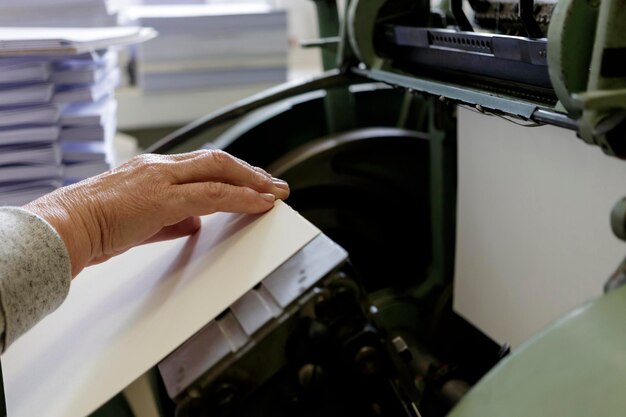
152,198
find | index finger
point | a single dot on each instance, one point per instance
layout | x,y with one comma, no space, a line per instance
220,166
199,199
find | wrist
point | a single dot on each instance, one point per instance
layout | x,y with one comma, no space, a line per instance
68,222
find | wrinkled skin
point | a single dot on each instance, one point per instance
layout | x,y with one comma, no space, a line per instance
152,198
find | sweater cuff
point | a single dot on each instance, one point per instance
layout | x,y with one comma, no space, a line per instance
35,271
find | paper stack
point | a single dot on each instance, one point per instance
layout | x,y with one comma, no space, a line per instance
59,13
57,107
203,46
174,2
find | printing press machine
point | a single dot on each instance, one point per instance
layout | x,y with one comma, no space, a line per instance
359,322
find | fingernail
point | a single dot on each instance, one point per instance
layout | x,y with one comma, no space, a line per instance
280,183
268,197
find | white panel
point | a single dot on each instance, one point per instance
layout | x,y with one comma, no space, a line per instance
534,238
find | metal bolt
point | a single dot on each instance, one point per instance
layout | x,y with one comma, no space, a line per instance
367,360
402,348
194,393
310,375
225,394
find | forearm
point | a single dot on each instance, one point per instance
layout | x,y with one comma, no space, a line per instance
35,271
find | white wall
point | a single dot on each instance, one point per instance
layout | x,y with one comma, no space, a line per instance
533,234
302,18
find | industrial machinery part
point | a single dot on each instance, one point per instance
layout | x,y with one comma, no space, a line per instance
308,340
505,16
234,354
576,73
407,332
618,225
543,377
511,59
369,149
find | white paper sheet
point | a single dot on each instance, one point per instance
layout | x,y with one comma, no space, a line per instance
28,134
533,233
42,40
125,315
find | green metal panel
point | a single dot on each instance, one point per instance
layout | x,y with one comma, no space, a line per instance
575,368
443,184
328,27
361,19
570,43
606,89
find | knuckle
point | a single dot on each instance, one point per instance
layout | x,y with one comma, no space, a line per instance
142,160
187,155
220,158
261,182
262,172
152,168
198,152
218,190
182,200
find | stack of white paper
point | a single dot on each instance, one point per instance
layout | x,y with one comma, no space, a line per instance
15,193
40,146
211,45
57,107
59,13
34,41
152,2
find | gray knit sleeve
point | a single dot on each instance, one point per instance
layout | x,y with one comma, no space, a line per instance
35,272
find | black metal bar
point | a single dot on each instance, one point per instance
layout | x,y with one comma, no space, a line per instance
528,110
329,79
527,16
506,58
3,403
485,99
459,16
